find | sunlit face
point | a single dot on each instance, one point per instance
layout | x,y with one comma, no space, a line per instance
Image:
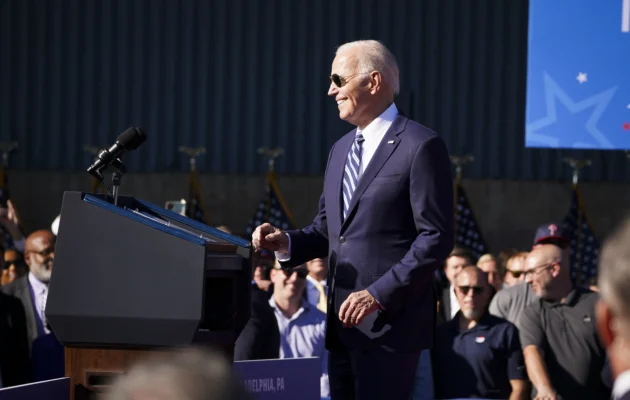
472,293
39,256
515,269
287,284
317,266
453,265
539,274
353,98
14,267
494,277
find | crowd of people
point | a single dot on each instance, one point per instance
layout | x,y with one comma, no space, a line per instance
508,326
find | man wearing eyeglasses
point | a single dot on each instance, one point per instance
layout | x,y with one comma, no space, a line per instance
477,355
32,288
563,354
510,302
287,326
385,221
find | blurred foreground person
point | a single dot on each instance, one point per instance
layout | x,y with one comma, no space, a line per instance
191,374
613,308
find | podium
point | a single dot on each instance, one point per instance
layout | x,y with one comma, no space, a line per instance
133,278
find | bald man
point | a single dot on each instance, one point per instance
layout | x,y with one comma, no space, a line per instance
562,352
32,288
476,354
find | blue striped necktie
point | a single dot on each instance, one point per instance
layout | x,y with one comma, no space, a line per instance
352,172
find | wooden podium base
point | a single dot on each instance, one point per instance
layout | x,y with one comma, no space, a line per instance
91,370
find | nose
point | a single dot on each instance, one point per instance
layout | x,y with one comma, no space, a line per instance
528,278
332,89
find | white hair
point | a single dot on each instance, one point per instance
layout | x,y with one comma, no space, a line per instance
374,56
614,274
188,374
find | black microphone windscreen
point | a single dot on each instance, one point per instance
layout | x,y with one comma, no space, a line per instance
131,138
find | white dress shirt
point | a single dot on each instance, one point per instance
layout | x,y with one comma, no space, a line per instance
304,335
373,135
621,385
454,303
40,290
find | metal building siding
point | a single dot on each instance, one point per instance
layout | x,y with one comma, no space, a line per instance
234,75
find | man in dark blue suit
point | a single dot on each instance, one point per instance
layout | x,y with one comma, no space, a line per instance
386,223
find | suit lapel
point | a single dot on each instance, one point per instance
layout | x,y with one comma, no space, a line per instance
29,307
384,150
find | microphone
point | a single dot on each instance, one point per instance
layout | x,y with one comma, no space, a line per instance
130,139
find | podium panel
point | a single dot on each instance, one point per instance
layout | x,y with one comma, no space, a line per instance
135,277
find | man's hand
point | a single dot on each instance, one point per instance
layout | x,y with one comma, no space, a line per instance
268,237
546,393
356,307
10,222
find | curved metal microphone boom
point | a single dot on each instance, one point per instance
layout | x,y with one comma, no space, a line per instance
130,139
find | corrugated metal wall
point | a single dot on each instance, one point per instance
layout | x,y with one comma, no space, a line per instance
233,75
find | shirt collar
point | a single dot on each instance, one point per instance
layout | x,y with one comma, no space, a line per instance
305,306
572,298
314,281
482,324
621,385
37,285
371,132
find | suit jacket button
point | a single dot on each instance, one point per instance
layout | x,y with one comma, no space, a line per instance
342,239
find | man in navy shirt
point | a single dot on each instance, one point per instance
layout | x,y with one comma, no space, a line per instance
477,354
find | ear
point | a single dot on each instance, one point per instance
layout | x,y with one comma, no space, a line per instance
605,321
555,271
27,258
376,81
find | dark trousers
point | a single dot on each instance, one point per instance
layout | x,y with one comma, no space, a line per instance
371,374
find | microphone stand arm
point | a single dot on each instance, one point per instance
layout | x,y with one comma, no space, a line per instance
117,178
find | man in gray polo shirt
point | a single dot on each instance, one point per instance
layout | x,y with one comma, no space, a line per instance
509,303
563,354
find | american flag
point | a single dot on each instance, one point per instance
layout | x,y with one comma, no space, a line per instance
271,208
195,209
467,233
584,244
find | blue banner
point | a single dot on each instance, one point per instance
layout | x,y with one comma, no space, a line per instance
291,378
54,389
578,84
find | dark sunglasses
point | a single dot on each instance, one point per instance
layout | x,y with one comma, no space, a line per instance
477,290
516,274
43,253
341,81
301,273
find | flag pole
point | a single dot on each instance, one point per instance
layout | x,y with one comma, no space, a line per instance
459,162
6,148
272,154
193,183
577,165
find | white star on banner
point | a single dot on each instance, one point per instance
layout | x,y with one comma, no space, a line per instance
582,78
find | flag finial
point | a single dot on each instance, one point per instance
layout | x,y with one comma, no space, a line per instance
192,153
6,148
577,165
271,154
459,162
